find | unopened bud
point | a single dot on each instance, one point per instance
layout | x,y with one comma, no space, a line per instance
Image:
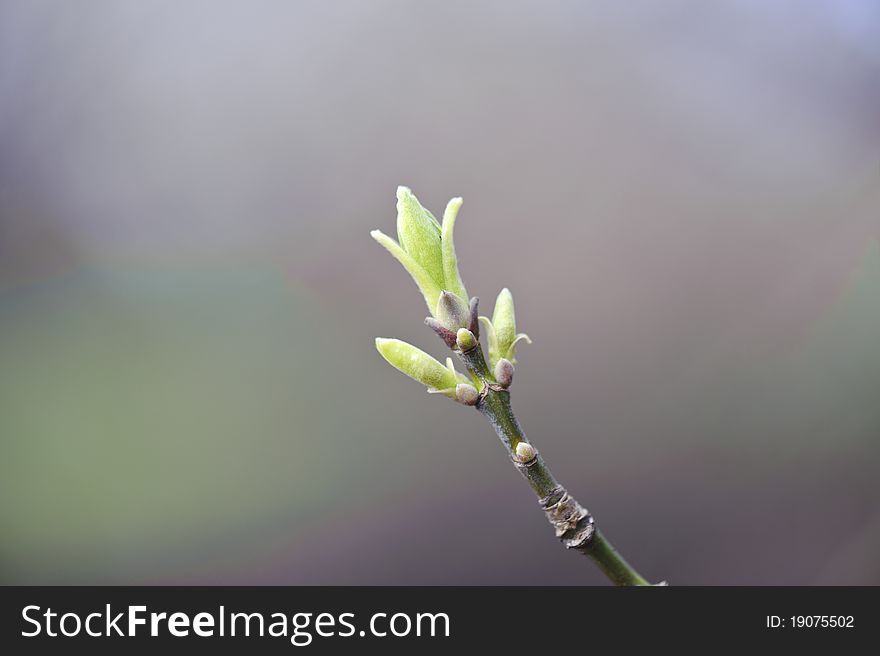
419,233
465,339
525,452
416,364
504,320
474,319
504,372
466,394
503,337
452,311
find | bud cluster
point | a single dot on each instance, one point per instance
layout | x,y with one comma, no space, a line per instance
426,249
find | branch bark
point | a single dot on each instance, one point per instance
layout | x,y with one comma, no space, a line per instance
574,525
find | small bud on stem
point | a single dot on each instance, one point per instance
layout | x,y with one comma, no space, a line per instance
465,340
466,394
525,452
504,372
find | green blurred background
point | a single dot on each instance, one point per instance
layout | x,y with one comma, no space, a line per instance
683,197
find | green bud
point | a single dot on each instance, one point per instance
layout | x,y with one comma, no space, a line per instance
467,394
425,249
452,311
418,365
465,339
504,321
419,234
501,331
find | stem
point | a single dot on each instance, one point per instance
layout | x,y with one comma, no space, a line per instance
573,523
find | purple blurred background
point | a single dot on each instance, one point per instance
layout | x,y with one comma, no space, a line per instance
683,198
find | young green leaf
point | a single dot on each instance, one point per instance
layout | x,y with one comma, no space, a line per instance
491,339
418,365
419,234
451,276
429,288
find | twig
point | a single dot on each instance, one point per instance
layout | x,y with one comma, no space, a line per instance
573,523
426,250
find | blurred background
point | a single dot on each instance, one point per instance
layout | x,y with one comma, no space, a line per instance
684,198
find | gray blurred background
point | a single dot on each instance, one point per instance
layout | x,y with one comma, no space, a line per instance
683,197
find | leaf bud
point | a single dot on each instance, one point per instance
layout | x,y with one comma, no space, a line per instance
504,372
524,452
466,394
465,340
